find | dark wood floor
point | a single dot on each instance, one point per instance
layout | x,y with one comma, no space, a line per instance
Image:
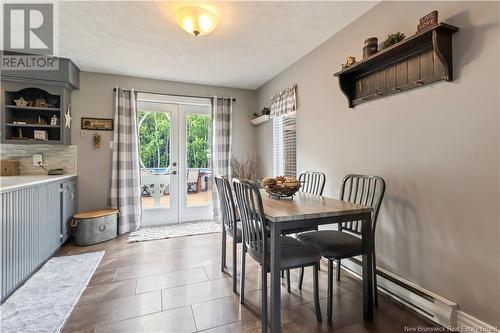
175,285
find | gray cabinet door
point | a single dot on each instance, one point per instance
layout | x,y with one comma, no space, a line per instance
30,232
68,209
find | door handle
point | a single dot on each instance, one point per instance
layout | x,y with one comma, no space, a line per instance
174,172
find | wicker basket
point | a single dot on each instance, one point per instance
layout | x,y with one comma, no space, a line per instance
281,192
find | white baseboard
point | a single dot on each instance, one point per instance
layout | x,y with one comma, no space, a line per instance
430,305
436,308
468,323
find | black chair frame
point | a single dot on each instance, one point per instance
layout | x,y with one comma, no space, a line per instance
313,182
256,243
229,223
364,190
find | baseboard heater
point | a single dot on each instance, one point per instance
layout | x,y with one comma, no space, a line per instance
436,308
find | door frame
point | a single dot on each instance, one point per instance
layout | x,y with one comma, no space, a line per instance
179,107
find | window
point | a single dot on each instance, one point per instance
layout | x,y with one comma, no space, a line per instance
154,141
284,146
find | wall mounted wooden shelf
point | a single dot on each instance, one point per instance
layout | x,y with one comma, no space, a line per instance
260,120
416,61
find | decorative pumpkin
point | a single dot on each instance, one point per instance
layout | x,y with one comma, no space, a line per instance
349,61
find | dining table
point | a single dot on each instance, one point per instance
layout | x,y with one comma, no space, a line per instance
305,211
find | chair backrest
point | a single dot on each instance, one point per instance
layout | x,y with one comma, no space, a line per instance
192,175
253,221
363,190
225,193
313,182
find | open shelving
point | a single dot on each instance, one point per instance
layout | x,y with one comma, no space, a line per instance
31,108
32,118
419,60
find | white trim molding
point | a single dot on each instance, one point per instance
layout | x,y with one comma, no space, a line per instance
468,323
430,305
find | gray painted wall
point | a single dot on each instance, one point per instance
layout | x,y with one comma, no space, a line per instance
438,148
95,98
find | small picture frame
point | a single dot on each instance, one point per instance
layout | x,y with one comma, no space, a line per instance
97,124
41,135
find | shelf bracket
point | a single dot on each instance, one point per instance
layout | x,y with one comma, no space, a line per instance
442,44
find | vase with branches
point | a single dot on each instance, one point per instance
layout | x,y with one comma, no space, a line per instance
245,168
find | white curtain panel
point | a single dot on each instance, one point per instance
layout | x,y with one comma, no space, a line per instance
222,109
125,193
284,103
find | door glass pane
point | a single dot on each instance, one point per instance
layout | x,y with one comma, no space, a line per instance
154,155
198,154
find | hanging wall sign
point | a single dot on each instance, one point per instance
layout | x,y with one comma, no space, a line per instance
98,124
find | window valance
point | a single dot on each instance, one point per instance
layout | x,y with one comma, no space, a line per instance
284,103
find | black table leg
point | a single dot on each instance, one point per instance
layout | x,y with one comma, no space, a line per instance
367,269
275,278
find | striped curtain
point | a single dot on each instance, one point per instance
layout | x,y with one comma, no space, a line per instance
284,103
125,193
222,109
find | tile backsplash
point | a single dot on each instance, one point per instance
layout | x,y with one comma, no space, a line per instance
54,156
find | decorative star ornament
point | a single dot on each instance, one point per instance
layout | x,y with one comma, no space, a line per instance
67,117
21,102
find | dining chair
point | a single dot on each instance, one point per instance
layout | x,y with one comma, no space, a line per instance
230,224
312,182
294,254
192,180
346,242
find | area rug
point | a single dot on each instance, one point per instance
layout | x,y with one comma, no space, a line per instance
46,300
173,230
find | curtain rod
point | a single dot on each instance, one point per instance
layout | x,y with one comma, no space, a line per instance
178,95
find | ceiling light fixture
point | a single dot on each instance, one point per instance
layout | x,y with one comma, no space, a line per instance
196,20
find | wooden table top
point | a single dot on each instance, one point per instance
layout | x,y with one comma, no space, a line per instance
307,206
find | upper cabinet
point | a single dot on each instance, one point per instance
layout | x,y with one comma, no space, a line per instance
67,75
36,104
416,61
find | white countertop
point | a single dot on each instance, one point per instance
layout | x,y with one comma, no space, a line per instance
8,183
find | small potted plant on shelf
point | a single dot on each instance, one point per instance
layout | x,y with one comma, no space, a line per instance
393,39
259,118
263,112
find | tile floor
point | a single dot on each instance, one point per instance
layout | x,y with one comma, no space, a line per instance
175,285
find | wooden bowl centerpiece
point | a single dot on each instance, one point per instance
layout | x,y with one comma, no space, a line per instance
280,186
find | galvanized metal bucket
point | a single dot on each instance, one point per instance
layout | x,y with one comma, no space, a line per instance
95,226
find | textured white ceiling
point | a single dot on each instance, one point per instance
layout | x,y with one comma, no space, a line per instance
253,42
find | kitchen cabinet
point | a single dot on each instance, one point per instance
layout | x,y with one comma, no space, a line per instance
68,207
33,224
41,119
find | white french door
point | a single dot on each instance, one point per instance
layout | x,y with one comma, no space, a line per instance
195,156
175,154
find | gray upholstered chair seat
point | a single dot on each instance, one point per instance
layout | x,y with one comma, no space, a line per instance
293,253
333,244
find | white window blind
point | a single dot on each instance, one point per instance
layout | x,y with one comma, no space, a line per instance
284,146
